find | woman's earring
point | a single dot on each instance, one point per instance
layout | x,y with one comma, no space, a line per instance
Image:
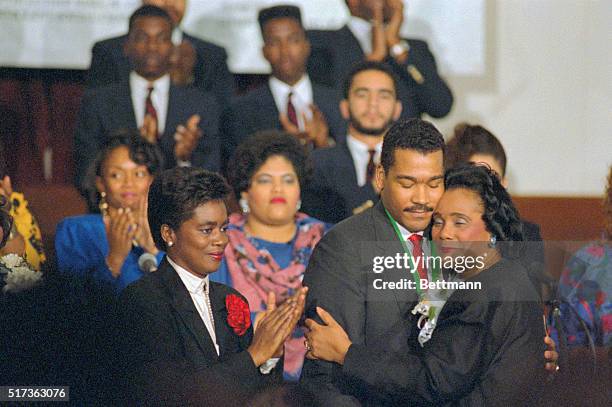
103,205
170,244
244,205
298,205
492,241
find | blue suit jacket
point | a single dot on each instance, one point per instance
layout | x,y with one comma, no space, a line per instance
333,192
334,53
109,65
109,108
257,111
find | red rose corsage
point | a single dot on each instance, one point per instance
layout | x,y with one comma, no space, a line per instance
238,314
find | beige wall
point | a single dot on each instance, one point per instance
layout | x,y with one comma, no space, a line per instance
547,93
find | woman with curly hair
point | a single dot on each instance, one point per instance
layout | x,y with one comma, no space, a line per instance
270,241
585,287
477,345
107,246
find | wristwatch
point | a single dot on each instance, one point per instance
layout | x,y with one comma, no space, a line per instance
399,49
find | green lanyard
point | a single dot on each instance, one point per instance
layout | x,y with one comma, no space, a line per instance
435,272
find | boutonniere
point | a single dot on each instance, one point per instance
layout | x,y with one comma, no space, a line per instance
18,275
427,320
238,314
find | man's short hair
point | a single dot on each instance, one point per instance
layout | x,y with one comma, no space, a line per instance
412,134
281,11
149,11
368,66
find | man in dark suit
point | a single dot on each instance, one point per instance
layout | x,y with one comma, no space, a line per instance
341,274
339,281
343,181
182,120
195,62
289,101
373,34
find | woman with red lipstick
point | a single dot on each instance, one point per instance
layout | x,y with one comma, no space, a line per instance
107,246
190,341
270,242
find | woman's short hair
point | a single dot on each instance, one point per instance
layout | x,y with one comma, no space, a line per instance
140,151
469,140
256,150
500,216
177,192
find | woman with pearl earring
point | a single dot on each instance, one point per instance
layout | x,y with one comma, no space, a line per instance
270,241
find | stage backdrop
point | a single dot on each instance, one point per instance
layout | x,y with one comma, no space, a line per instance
60,33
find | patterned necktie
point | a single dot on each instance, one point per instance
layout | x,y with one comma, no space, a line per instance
291,113
371,168
150,109
417,253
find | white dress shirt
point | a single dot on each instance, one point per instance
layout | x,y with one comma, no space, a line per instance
361,157
196,286
425,245
301,97
177,36
362,30
139,89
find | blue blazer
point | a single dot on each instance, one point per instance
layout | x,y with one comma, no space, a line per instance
109,65
335,52
81,246
257,111
109,108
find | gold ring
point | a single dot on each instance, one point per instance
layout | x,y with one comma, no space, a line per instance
307,345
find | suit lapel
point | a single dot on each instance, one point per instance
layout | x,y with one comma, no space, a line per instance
351,50
122,106
388,243
346,173
175,106
229,342
186,310
268,112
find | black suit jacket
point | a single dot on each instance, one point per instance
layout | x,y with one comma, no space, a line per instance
340,280
486,350
170,355
109,108
378,368
333,192
334,53
257,111
109,64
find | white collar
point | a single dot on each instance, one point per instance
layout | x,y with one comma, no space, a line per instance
406,233
302,87
177,36
360,146
161,85
193,283
362,31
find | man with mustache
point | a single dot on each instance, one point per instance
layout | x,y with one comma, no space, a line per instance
340,274
344,174
193,61
182,120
